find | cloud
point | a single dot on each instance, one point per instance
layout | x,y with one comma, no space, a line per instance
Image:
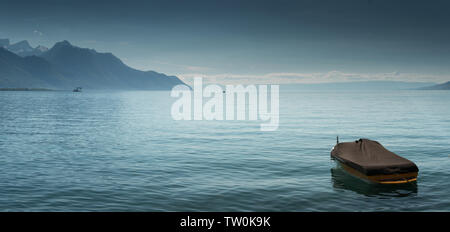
124,43
306,78
188,68
36,32
90,41
196,68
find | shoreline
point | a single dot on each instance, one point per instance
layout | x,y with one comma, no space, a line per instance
25,89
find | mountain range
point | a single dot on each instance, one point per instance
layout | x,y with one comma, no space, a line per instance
443,86
22,48
358,86
65,66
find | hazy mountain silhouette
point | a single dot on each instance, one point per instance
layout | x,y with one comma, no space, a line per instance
65,66
358,86
4,42
443,86
30,71
22,48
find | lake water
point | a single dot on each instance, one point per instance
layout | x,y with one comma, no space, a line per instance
121,151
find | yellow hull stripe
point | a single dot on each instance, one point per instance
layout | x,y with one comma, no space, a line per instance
383,179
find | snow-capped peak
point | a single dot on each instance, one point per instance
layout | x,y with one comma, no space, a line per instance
41,48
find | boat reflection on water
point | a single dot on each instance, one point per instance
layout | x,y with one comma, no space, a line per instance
343,180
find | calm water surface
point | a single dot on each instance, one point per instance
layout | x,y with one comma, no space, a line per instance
121,151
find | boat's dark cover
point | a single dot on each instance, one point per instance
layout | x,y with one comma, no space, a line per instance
371,158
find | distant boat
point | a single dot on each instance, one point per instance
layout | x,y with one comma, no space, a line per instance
77,89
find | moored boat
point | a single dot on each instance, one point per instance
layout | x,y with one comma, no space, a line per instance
369,160
77,89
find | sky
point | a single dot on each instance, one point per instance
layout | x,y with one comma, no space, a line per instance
250,41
